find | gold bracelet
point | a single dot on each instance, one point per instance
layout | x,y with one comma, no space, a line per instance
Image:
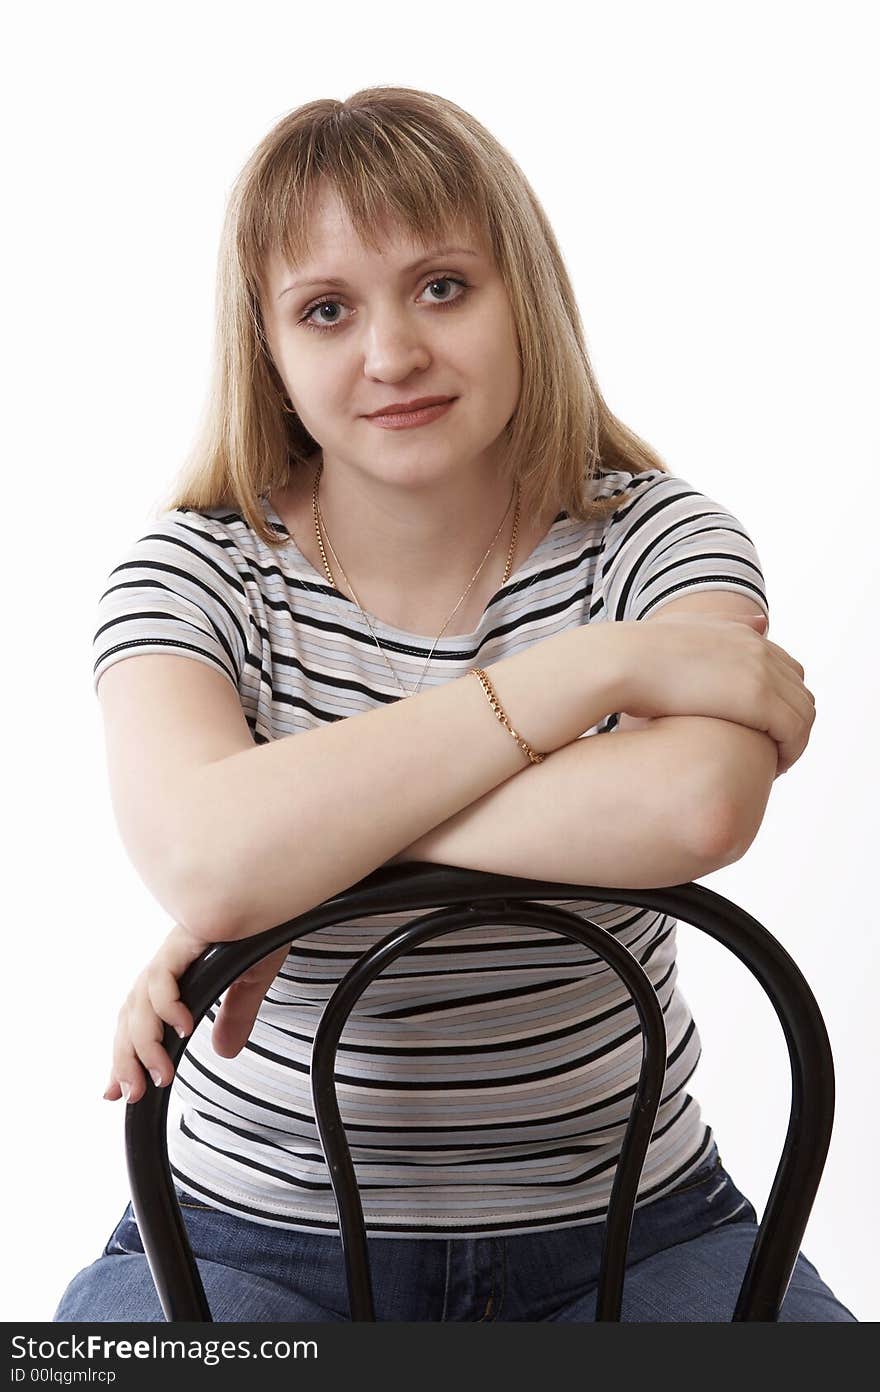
497,708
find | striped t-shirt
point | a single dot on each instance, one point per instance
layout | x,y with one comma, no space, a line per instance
485,1079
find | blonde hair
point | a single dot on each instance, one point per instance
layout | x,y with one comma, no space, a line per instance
419,161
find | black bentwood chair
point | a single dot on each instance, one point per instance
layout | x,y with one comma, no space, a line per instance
474,898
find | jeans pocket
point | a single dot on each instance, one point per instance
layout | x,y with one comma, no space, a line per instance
125,1237
710,1198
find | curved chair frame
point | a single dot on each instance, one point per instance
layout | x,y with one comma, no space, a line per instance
476,898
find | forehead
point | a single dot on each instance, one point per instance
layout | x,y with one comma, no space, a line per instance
335,246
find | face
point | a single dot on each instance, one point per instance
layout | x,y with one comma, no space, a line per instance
394,332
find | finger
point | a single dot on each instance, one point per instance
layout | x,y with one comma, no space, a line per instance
786,658
759,624
757,620
146,1031
795,690
180,949
163,991
235,1019
241,1005
792,719
127,1080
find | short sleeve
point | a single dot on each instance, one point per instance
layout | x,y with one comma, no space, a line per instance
176,591
668,539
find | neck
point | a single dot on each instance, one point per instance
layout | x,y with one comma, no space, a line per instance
425,540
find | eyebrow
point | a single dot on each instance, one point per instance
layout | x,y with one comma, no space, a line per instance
422,261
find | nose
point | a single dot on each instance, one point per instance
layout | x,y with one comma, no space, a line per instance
394,346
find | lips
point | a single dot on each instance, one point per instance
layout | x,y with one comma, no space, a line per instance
407,420
399,408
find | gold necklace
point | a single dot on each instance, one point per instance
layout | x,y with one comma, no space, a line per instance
316,512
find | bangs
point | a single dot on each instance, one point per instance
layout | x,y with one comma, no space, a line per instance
398,180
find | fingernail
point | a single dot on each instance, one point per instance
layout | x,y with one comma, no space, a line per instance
126,1091
156,1076
181,1032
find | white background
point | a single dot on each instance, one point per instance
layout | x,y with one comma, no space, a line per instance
707,169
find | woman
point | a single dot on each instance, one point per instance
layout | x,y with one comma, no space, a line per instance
383,583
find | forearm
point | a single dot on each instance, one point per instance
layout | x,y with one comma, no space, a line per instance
285,826
616,811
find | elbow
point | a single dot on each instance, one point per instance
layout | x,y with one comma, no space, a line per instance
732,798
225,903
189,892
717,843
205,904
725,829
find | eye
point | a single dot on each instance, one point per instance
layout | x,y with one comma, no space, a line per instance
308,323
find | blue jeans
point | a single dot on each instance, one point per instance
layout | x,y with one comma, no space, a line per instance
687,1256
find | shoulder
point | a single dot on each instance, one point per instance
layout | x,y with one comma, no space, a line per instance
654,501
634,488
220,526
667,536
207,556
214,540
180,586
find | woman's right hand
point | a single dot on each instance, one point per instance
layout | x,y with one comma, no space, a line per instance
154,1001
699,664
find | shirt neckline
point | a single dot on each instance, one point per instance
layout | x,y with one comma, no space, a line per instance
290,549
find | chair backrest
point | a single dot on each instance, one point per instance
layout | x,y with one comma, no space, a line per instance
468,898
